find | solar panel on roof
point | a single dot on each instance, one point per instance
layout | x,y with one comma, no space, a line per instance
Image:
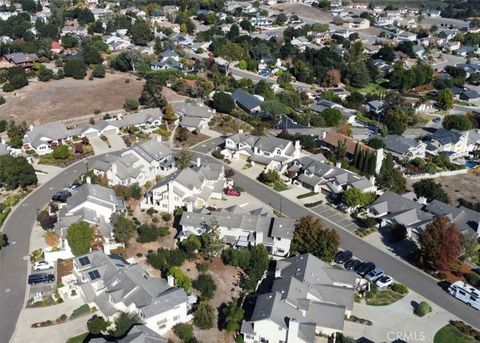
94,274
84,260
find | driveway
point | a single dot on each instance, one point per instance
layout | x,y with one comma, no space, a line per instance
116,142
99,147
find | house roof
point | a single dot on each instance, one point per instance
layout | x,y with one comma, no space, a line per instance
400,144
102,196
20,57
246,100
191,110
47,132
192,122
333,138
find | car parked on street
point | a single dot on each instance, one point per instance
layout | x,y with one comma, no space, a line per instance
35,279
343,256
365,268
232,192
352,264
384,281
373,275
42,265
61,196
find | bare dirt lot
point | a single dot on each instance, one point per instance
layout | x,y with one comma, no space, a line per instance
42,102
466,186
307,13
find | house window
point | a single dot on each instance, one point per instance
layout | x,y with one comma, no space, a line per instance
176,318
162,324
266,154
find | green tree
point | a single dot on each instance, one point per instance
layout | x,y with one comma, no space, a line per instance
231,52
181,280
332,116
457,122
61,152
281,19
169,116
91,55
98,71
184,331
396,121
211,243
310,236
44,74
223,102
141,32
263,89
76,69
233,316
183,159
123,229
430,190
354,197
391,177
148,233
131,105
80,237
273,108
205,285
152,93
17,77
96,325
123,324
136,191
445,99
191,244
16,172
204,317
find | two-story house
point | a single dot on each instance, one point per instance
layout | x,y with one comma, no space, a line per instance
113,285
275,153
403,147
241,228
139,164
320,177
193,117
191,187
452,143
308,297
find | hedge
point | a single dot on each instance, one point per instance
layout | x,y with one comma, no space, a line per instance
4,214
80,311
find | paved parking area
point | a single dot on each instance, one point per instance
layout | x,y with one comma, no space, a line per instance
46,288
339,218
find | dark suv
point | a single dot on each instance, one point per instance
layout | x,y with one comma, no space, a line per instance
365,268
35,279
343,256
61,196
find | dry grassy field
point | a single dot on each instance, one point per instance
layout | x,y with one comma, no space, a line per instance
42,102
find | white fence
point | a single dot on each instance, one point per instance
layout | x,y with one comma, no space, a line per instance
443,173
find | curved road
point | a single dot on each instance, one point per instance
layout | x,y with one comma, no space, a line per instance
14,258
18,226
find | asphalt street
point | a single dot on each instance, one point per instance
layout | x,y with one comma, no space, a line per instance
415,279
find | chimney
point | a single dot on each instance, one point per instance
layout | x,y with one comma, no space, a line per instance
159,138
297,145
171,280
338,165
240,130
293,327
199,161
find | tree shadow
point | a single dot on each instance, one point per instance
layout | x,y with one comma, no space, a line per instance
405,249
221,322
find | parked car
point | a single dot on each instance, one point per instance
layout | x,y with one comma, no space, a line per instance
35,279
42,265
232,192
352,264
74,186
343,256
365,268
61,196
374,274
384,281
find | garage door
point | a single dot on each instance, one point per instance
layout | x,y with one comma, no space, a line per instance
110,132
91,135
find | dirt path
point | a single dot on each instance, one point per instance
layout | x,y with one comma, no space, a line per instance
42,102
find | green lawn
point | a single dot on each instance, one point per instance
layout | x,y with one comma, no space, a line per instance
449,334
78,339
383,297
306,195
280,186
371,88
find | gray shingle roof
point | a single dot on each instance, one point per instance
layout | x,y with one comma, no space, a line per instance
399,144
246,100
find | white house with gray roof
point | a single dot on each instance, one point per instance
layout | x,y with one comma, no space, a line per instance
139,164
137,334
453,143
275,153
403,147
113,285
240,228
315,174
308,297
192,187
193,117
44,138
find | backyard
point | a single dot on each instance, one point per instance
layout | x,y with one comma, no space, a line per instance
449,334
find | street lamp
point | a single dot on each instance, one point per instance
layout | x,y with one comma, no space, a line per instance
86,165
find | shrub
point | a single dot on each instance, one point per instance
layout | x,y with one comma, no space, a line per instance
131,104
423,309
164,231
166,216
98,71
217,154
204,316
399,288
7,87
76,69
97,324
202,267
80,311
473,279
2,100
61,152
205,285
184,331
147,233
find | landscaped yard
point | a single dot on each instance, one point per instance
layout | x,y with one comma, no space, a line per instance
371,88
280,186
449,334
383,297
78,339
306,195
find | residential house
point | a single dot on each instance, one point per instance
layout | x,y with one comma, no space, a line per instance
315,174
20,59
332,139
321,105
100,13
375,107
193,187
452,46
308,297
139,164
4,149
138,333
146,120
467,220
103,127
452,143
447,34
275,153
470,95
44,138
169,59
248,102
300,42
113,285
403,147
182,40
356,23
241,228
407,36
56,47
116,43
259,20
193,117
432,13
467,50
